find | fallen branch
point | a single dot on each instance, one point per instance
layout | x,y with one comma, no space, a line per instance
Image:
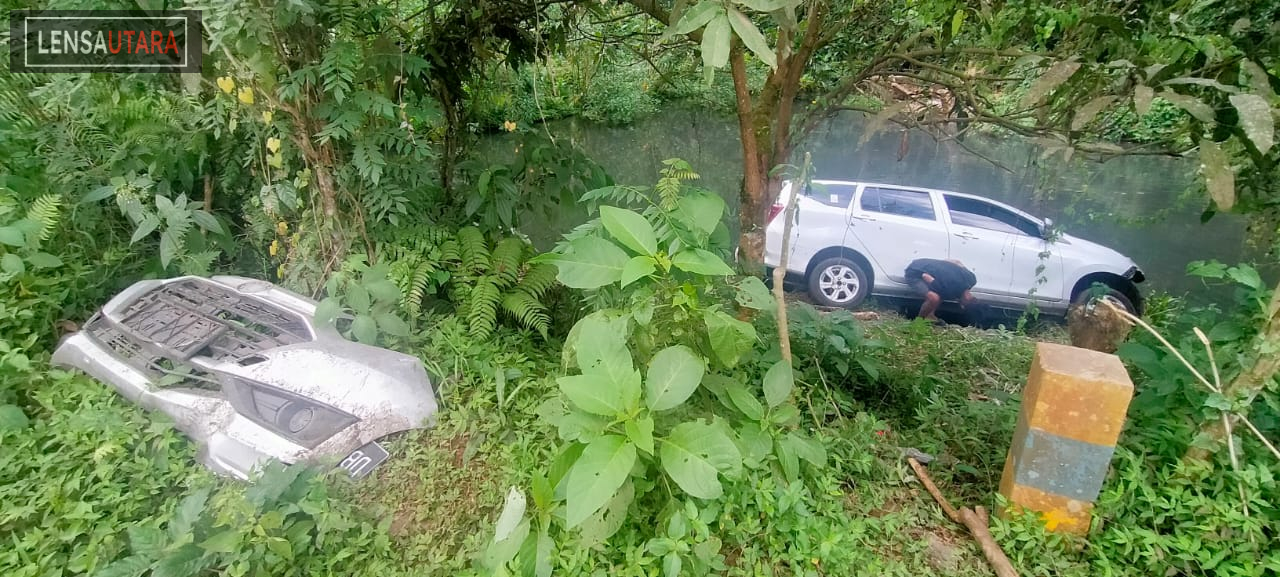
975,520
933,490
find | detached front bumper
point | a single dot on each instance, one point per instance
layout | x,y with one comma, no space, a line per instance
227,442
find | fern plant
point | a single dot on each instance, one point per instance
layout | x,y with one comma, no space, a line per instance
486,281
499,279
20,238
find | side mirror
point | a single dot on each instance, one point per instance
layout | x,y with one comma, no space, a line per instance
1046,228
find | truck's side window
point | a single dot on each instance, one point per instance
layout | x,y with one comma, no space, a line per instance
911,203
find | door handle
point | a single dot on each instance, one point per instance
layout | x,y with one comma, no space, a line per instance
863,218
966,235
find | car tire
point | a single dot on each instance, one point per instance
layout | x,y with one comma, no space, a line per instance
839,282
1113,295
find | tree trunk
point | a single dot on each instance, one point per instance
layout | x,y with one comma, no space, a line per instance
753,205
1246,386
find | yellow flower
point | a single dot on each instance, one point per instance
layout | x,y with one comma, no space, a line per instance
266,117
226,84
245,95
282,228
273,144
280,271
509,126
275,247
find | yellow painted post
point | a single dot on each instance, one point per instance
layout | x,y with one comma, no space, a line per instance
1073,409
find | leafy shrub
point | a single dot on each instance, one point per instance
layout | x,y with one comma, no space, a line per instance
362,303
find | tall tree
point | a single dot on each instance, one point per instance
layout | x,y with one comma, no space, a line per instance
950,66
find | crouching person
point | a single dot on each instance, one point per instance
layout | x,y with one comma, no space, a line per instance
939,280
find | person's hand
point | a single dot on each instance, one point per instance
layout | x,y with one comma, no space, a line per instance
927,278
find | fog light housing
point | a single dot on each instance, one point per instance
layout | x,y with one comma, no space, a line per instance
304,421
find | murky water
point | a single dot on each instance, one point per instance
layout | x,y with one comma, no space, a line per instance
1103,202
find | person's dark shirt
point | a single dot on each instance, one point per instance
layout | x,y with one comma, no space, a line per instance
950,280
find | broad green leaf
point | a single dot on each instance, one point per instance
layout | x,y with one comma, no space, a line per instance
499,553
698,261
1085,114
12,264
184,561
744,401
640,431
1255,120
226,541
1217,401
599,336
1142,96
767,5
787,459
576,425
591,262
752,38
146,227
715,42
671,564
99,193
544,555
560,467
778,382
694,453
1194,106
1051,79
730,338
806,448
701,210
43,260
280,546
636,269
12,418
328,310
511,515
132,566
785,415
391,324
365,329
674,373
752,293
170,247
597,476
1208,269
383,290
358,298
1245,275
11,236
697,16
598,393
630,229
1219,179
1256,77
145,540
189,511
206,221
755,443
602,525
957,22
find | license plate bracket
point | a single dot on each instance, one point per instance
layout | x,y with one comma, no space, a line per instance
364,460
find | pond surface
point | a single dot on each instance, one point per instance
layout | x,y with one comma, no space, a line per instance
1143,206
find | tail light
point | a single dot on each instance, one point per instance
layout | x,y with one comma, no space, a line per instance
774,211
304,421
